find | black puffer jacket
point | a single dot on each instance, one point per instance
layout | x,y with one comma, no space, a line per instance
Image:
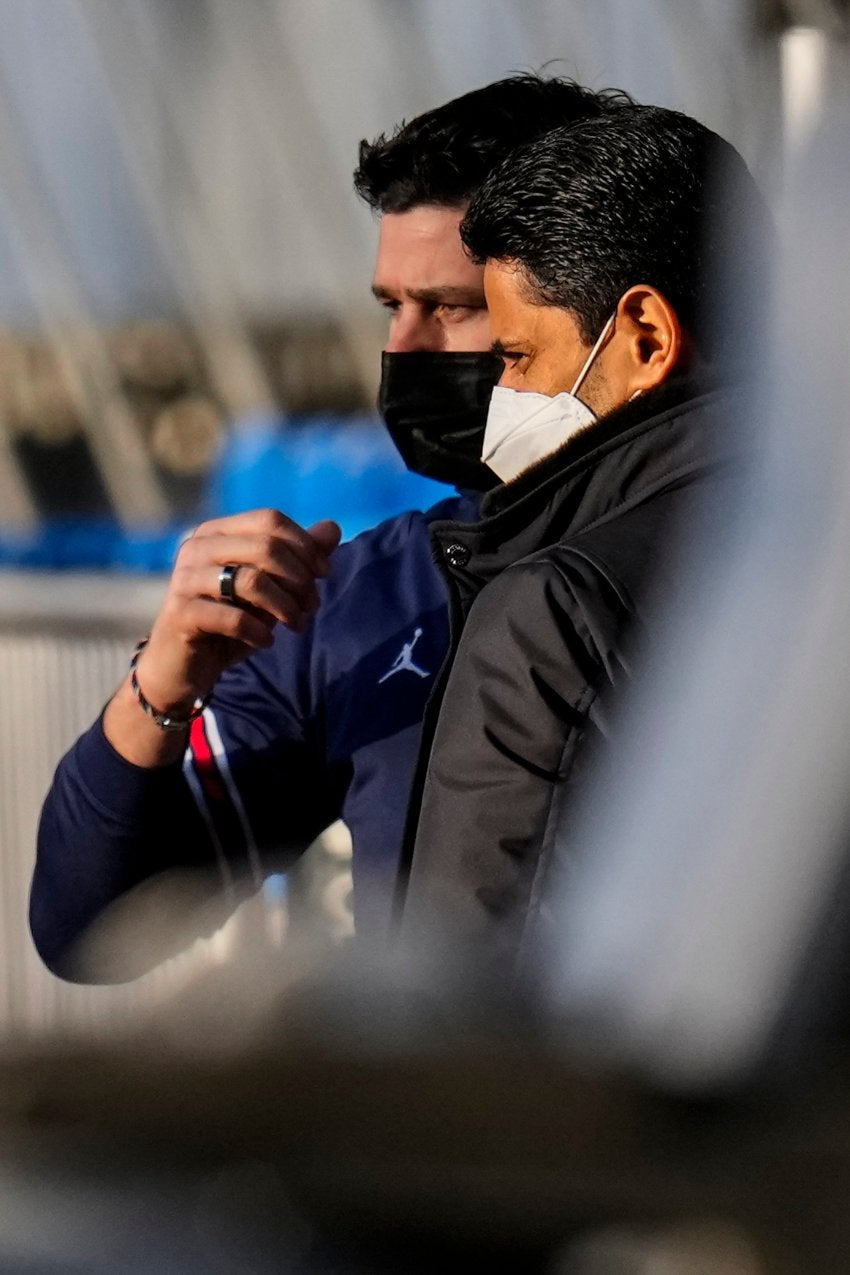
552,595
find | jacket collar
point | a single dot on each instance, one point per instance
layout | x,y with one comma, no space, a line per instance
591,445
676,430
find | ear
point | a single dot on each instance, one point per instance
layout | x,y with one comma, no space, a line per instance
654,343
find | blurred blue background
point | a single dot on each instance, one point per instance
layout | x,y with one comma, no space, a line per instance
308,466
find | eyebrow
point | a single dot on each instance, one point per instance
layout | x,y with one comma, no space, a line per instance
505,351
473,297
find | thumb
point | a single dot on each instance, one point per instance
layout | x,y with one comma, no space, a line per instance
326,533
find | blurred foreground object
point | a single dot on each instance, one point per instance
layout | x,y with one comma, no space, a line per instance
367,1127
704,915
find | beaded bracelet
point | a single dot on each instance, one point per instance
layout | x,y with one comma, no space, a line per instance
164,721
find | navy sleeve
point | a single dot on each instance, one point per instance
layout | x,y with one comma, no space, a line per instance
106,825
251,793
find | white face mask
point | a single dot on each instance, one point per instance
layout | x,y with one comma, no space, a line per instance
523,426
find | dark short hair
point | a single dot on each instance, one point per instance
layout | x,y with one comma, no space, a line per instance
444,155
641,195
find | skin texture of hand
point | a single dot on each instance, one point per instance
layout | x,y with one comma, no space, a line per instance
196,635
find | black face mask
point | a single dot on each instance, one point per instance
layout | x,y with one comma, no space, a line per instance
435,407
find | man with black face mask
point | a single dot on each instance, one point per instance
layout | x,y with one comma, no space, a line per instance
285,678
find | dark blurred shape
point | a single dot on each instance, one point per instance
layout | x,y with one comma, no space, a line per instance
62,477
312,366
832,16
39,397
156,357
48,440
186,436
170,394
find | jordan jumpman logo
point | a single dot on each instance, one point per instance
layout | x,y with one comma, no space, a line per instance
404,660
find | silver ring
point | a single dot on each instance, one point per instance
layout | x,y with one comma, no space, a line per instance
227,584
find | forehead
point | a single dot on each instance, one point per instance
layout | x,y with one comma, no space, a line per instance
507,295
515,318
422,249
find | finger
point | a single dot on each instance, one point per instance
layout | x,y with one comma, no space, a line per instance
244,625
272,598
200,564
326,533
249,522
270,525
196,632
297,559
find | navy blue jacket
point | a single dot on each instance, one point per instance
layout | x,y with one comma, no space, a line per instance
319,727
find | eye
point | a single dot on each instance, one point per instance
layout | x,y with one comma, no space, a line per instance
458,313
387,303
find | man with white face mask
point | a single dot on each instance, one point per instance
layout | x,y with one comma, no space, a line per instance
521,430
603,260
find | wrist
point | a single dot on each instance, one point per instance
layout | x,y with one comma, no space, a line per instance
175,715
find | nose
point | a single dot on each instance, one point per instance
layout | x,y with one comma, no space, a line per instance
412,330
